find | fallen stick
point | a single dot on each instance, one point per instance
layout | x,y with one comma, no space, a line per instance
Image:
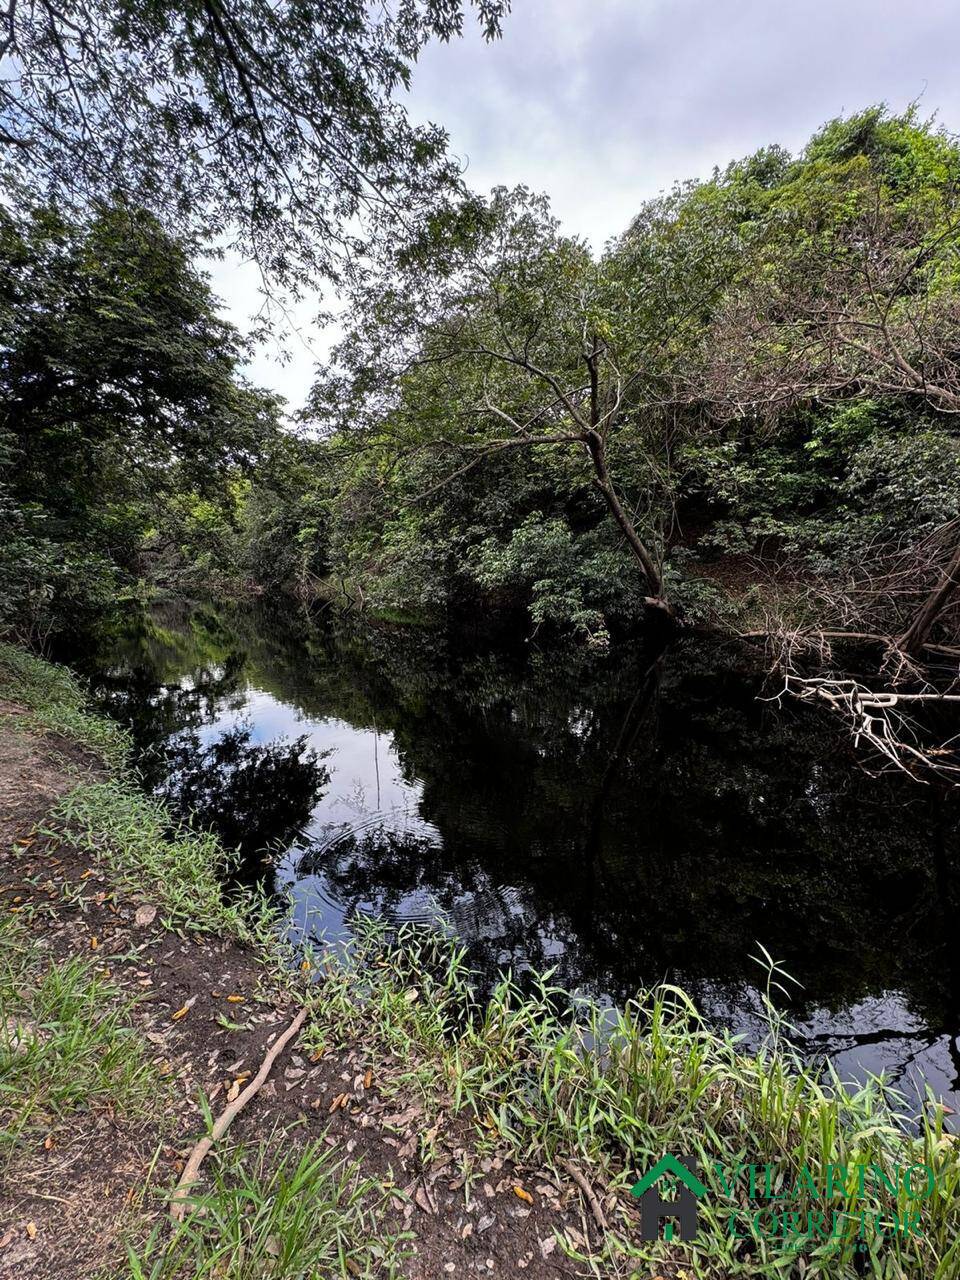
591,1196
192,1168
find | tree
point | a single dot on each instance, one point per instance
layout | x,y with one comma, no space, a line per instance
850,289
119,384
270,125
523,342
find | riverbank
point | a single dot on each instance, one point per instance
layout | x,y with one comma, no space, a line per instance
477,1138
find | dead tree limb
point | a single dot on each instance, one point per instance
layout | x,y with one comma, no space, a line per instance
589,1194
877,718
179,1200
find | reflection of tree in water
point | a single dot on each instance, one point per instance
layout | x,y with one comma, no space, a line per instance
256,798
177,667
626,823
404,875
631,823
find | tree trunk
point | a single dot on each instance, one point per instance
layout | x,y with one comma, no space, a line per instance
603,483
918,632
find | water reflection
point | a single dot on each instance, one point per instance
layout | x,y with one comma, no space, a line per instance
258,798
623,820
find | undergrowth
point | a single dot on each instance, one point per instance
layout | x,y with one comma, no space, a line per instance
56,701
66,1043
556,1079
302,1215
132,835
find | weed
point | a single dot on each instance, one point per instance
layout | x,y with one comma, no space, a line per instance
65,1041
56,701
132,836
307,1214
553,1079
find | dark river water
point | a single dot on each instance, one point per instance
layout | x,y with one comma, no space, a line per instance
619,822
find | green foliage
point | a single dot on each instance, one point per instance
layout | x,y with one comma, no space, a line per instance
554,1078
769,359
289,1216
739,415
571,580
268,125
121,388
56,701
284,521
131,835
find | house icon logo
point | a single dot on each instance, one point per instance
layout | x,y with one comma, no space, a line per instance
653,1208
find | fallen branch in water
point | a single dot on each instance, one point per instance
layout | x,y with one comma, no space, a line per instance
874,717
191,1169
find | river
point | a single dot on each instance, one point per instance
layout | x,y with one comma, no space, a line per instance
618,820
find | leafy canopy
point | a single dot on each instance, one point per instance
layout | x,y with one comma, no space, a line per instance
119,385
268,125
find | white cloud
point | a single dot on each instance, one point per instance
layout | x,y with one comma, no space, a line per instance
603,103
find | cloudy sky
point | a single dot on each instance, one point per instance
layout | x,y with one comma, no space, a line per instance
603,103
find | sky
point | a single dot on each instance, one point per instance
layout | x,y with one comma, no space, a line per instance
604,103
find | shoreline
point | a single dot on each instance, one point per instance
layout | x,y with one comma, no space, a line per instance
483,1134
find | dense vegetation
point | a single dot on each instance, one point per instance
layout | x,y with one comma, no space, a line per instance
742,411
755,387
121,392
760,375
740,415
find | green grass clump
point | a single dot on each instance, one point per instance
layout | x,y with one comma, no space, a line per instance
303,1215
127,832
66,1043
56,701
132,836
556,1079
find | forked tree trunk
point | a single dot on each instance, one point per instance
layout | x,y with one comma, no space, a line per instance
918,632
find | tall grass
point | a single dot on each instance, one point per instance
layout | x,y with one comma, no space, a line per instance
133,837
304,1215
56,701
558,1080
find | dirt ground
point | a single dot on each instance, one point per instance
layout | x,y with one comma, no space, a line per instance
65,1206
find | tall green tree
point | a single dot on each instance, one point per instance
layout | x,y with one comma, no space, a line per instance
525,343
119,384
267,125
763,364
846,305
